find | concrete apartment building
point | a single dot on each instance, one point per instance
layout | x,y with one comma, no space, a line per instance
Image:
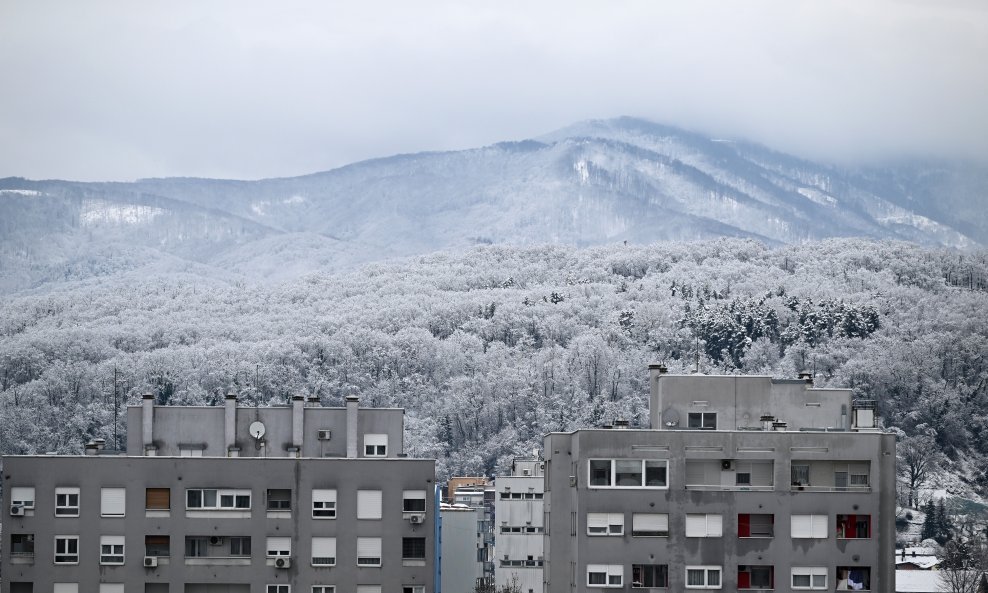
227,499
519,529
741,483
479,496
460,571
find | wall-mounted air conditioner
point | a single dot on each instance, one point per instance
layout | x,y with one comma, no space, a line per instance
150,562
283,563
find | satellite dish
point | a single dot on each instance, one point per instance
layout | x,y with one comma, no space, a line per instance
670,418
256,430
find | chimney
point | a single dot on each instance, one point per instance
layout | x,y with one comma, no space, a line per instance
230,422
100,444
352,401
298,405
313,401
806,376
621,424
91,448
147,420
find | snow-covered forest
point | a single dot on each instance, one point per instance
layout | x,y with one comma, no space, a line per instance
491,348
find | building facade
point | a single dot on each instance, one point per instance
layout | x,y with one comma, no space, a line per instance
741,483
208,500
520,527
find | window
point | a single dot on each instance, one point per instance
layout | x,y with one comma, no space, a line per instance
375,445
809,577
67,549
413,501
853,578
413,589
699,525
323,551
368,504
605,524
323,589
756,525
190,451
756,577
324,504
23,497
157,499
650,525
413,548
111,549
65,587
113,502
853,526
279,500
157,545
22,544
628,473
369,551
111,588
196,547
279,589
214,499
703,577
368,588
644,576
800,474
702,420
66,502
809,526
605,575
240,546
279,546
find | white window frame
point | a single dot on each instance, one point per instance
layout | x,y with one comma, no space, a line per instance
278,588
703,417
613,474
67,539
603,524
819,526
190,451
413,589
414,495
278,547
370,504
326,549
375,445
111,549
323,588
613,575
65,587
323,503
368,589
706,577
111,588
112,502
22,496
63,501
369,546
220,494
713,525
811,572
640,521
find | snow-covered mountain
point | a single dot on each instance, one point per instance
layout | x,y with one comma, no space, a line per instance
591,183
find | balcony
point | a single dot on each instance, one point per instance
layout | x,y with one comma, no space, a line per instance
730,474
830,476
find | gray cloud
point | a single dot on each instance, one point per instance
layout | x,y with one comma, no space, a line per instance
119,90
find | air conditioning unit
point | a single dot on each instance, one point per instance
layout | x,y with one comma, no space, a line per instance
17,510
150,562
526,472
283,563
416,519
726,464
215,540
324,435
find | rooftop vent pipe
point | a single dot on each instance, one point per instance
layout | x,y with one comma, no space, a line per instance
352,402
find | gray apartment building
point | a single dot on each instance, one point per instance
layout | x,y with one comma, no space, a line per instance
520,527
292,499
741,483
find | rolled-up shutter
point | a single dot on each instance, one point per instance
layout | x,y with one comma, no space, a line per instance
324,550
368,504
157,499
113,502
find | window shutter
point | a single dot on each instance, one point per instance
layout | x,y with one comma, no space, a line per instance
157,499
111,588
819,529
324,547
597,522
113,502
369,547
715,526
802,526
696,525
744,525
279,546
368,588
22,493
650,523
65,588
368,504
324,495
761,473
694,473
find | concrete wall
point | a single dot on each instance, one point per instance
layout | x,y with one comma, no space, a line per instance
569,499
460,569
522,513
90,473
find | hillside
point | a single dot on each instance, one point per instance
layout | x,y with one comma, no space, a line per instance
491,347
594,183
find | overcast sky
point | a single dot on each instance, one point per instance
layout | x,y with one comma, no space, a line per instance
121,90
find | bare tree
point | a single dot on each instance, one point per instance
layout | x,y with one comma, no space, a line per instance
963,566
918,457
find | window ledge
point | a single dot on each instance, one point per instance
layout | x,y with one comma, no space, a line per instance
217,514
279,514
216,561
157,514
22,558
413,562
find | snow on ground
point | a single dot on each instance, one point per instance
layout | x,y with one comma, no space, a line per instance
20,192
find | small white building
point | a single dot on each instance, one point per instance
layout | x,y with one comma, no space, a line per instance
520,526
